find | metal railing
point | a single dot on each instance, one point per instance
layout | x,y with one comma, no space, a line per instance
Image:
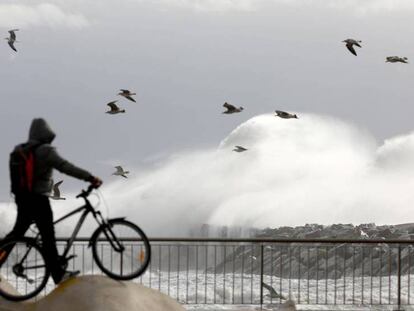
334,273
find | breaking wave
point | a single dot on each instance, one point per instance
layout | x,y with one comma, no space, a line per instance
316,169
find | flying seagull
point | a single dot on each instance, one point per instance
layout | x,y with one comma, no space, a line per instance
120,172
127,94
231,108
114,108
350,45
56,191
285,115
12,38
396,59
272,291
239,149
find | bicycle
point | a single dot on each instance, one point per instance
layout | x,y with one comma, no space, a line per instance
24,259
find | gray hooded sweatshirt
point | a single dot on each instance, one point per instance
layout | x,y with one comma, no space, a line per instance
47,159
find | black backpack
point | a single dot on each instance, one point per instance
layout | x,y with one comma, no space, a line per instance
21,165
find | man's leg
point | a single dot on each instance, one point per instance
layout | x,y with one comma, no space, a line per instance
23,221
44,221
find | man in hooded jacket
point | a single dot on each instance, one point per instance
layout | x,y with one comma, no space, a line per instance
35,206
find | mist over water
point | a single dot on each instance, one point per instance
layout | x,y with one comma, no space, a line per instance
316,169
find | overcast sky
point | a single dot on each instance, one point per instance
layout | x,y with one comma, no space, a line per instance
185,58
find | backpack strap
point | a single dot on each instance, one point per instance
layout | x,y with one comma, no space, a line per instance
30,163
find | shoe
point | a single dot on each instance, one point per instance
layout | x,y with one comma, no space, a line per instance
68,274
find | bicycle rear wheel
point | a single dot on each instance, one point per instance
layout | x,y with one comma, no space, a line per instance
121,249
23,270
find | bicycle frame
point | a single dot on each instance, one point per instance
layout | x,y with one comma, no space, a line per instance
87,208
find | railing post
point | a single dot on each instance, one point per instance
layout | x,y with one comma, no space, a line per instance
399,277
261,274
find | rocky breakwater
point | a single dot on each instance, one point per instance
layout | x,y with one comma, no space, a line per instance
321,260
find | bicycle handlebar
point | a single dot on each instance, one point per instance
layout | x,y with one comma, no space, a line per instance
85,193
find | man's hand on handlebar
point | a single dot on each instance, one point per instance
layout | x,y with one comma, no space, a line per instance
96,182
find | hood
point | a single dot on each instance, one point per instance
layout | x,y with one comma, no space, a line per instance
41,131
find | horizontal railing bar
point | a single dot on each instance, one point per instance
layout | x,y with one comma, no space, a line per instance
318,271
250,240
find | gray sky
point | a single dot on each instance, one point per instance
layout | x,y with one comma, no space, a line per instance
184,59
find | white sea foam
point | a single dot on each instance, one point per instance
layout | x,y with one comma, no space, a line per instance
316,169
216,292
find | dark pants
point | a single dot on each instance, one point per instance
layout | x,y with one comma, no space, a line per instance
36,208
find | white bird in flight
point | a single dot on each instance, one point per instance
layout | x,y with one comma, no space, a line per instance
114,108
127,94
231,108
350,45
56,191
285,115
120,172
239,149
396,59
12,39
272,291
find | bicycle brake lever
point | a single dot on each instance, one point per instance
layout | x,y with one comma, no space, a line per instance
84,193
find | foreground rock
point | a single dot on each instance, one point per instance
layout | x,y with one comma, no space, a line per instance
93,293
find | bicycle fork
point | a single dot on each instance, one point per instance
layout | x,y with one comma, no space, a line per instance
113,240
110,236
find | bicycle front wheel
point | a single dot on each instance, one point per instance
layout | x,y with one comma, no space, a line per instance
121,249
23,270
